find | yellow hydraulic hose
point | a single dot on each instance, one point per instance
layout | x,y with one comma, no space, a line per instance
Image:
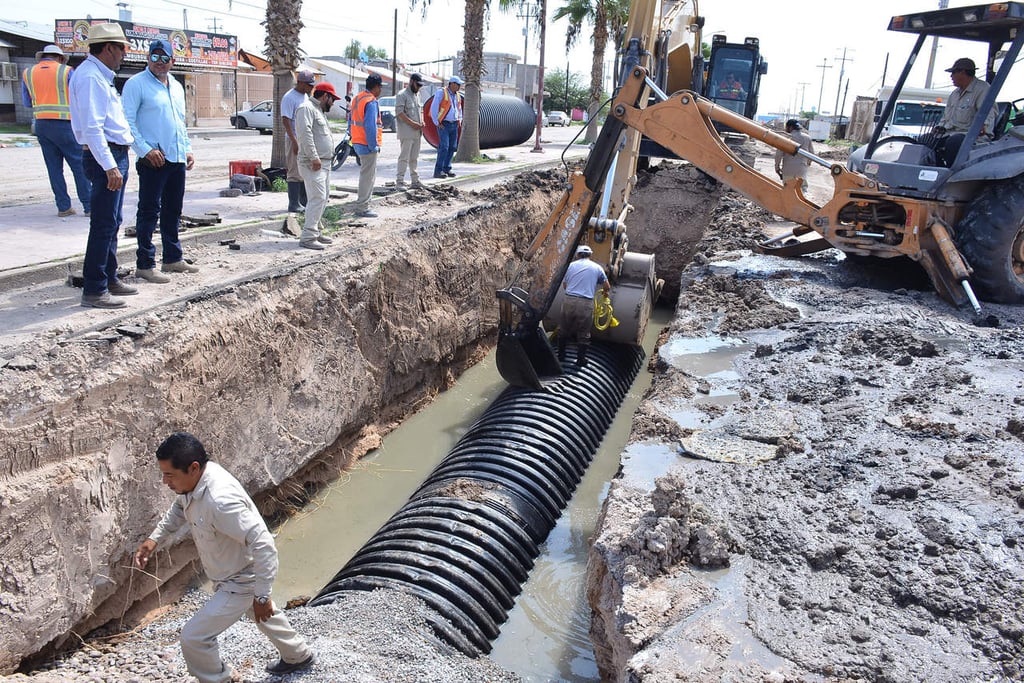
603,318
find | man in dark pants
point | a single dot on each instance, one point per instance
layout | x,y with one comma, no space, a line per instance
580,284
99,124
446,110
154,104
44,87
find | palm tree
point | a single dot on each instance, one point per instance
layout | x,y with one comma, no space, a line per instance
283,24
609,17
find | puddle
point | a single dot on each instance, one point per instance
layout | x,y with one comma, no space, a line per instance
703,356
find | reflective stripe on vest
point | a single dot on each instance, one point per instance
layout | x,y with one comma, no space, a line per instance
359,116
47,84
446,104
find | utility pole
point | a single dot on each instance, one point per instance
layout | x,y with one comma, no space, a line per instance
824,65
540,77
943,4
530,14
394,57
839,86
184,18
803,91
214,28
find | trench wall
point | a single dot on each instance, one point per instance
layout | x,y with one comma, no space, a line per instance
282,377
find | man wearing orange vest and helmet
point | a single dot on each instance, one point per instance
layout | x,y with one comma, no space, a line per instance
367,136
44,87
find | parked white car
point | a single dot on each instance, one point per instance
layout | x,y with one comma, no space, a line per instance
259,116
556,118
387,113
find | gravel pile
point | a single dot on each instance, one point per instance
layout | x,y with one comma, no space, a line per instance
378,636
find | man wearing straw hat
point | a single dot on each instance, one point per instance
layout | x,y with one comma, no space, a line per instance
100,126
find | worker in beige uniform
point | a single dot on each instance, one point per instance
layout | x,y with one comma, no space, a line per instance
237,552
963,104
793,165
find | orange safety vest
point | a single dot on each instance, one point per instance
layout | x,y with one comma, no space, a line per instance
47,84
446,104
731,91
359,117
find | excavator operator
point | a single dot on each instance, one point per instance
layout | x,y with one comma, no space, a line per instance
731,89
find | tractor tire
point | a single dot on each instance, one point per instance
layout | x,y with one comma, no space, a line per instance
991,237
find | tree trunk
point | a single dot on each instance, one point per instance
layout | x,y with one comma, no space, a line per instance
283,26
472,72
597,69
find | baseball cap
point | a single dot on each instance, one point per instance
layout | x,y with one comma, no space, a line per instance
963,64
325,87
584,249
416,78
305,76
161,44
51,50
456,80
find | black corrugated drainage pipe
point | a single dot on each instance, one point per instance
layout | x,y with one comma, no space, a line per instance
505,121
466,540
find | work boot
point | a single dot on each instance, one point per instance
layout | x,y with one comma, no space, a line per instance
103,300
150,275
283,668
179,267
295,203
119,288
581,355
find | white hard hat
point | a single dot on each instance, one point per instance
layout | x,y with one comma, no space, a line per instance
584,249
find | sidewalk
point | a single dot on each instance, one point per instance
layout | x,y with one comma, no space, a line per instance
34,236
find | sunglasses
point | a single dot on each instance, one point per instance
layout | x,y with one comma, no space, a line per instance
163,59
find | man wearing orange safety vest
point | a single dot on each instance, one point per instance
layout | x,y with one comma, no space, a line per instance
446,110
44,87
367,136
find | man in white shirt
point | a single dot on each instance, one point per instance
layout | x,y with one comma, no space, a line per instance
316,147
304,80
99,124
237,552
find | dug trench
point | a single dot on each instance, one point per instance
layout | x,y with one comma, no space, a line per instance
842,502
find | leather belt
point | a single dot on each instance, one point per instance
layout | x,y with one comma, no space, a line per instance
112,145
579,296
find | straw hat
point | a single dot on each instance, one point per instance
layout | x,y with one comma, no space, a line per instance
106,33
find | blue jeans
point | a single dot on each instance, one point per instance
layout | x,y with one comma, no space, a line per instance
161,193
447,143
59,145
104,222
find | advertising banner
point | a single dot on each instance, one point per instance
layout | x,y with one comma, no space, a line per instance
191,48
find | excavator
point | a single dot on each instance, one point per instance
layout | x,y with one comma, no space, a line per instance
963,223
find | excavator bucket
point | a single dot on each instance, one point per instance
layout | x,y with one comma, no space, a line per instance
523,358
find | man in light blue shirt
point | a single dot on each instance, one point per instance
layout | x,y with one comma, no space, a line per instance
582,279
99,125
154,104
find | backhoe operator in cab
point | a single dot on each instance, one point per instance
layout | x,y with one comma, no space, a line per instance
963,104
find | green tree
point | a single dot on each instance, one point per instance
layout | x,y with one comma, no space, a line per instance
608,17
283,24
352,50
558,96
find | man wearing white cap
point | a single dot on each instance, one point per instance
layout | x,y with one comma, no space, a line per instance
154,104
446,110
100,126
44,87
582,278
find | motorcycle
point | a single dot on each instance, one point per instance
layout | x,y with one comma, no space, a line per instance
344,149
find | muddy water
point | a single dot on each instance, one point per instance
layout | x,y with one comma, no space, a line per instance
545,637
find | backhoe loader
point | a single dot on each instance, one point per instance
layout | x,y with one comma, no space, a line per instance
963,223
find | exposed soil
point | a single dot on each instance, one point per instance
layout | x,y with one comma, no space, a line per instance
843,503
